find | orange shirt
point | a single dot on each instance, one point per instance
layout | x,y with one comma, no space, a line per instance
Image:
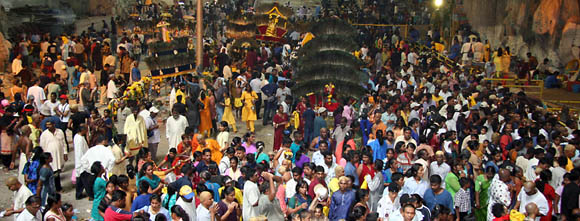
380,126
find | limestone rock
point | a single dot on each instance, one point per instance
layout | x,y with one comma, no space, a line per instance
546,17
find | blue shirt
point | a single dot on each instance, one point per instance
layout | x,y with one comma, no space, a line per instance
340,204
350,169
135,74
366,128
294,148
412,187
141,201
379,151
444,198
319,122
308,116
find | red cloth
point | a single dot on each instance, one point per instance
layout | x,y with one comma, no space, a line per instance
117,214
550,194
315,182
366,170
503,218
279,130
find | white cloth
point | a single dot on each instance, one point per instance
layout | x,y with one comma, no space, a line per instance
411,186
63,108
27,216
224,164
189,208
251,196
282,93
523,163
51,106
329,171
38,94
202,213
397,216
557,176
537,198
223,139
256,85
20,197
156,138
441,170
16,66
55,144
498,193
531,171
111,89
174,129
290,188
81,147
97,153
387,206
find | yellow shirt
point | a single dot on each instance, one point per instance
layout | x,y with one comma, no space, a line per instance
237,193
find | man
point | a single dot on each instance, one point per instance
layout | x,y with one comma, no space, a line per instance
570,195
308,117
98,153
225,161
38,93
318,179
203,165
269,91
389,118
388,204
187,170
282,92
319,123
340,132
341,200
52,140
406,137
256,85
291,184
499,191
114,211
437,195
407,212
350,168
21,194
84,180
60,68
269,205
32,211
439,167
206,210
251,195
17,64
153,129
319,140
174,128
329,166
530,194
378,125
111,88
186,201
122,113
207,178
318,157
136,131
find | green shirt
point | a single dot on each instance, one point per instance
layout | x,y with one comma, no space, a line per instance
482,185
100,189
452,184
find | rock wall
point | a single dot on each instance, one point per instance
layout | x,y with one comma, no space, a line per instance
547,28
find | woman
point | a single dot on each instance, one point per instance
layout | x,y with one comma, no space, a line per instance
249,97
146,173
99,189
506,61
362,198
406,156
399,125
301,157
31,169
53,211
106,201
249,142
543,185
69,212
120,167
178,214
482,183
301,200
223,136
280,121
234,172
391,167
497,61
452,178
155,208
46,185
375,185
96,126
414,184
366,167
228,114
228,208
205,116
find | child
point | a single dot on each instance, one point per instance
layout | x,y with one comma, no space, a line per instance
108,124
170,158
463,199
106,201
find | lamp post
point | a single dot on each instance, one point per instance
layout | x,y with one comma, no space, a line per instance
199,35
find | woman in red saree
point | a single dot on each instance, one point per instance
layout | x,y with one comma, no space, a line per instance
366,167
280,122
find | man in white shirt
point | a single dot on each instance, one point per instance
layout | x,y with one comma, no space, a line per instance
38,93
174,128
98,153
407,211
530,194
558,171
439,167
83,177
153,128
17,64
60,68
406,137
251,195
21,194
318,156
389,203
206,211
186,202
256,85
282,92
52,104
32,210
112,88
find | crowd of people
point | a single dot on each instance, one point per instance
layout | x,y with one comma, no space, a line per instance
426,142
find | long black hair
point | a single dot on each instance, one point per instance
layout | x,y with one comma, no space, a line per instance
51,200
545,177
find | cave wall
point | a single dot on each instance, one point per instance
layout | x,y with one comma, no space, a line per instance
547,28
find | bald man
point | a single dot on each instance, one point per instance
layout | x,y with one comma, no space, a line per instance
21,195
530,194
532,210
206,210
